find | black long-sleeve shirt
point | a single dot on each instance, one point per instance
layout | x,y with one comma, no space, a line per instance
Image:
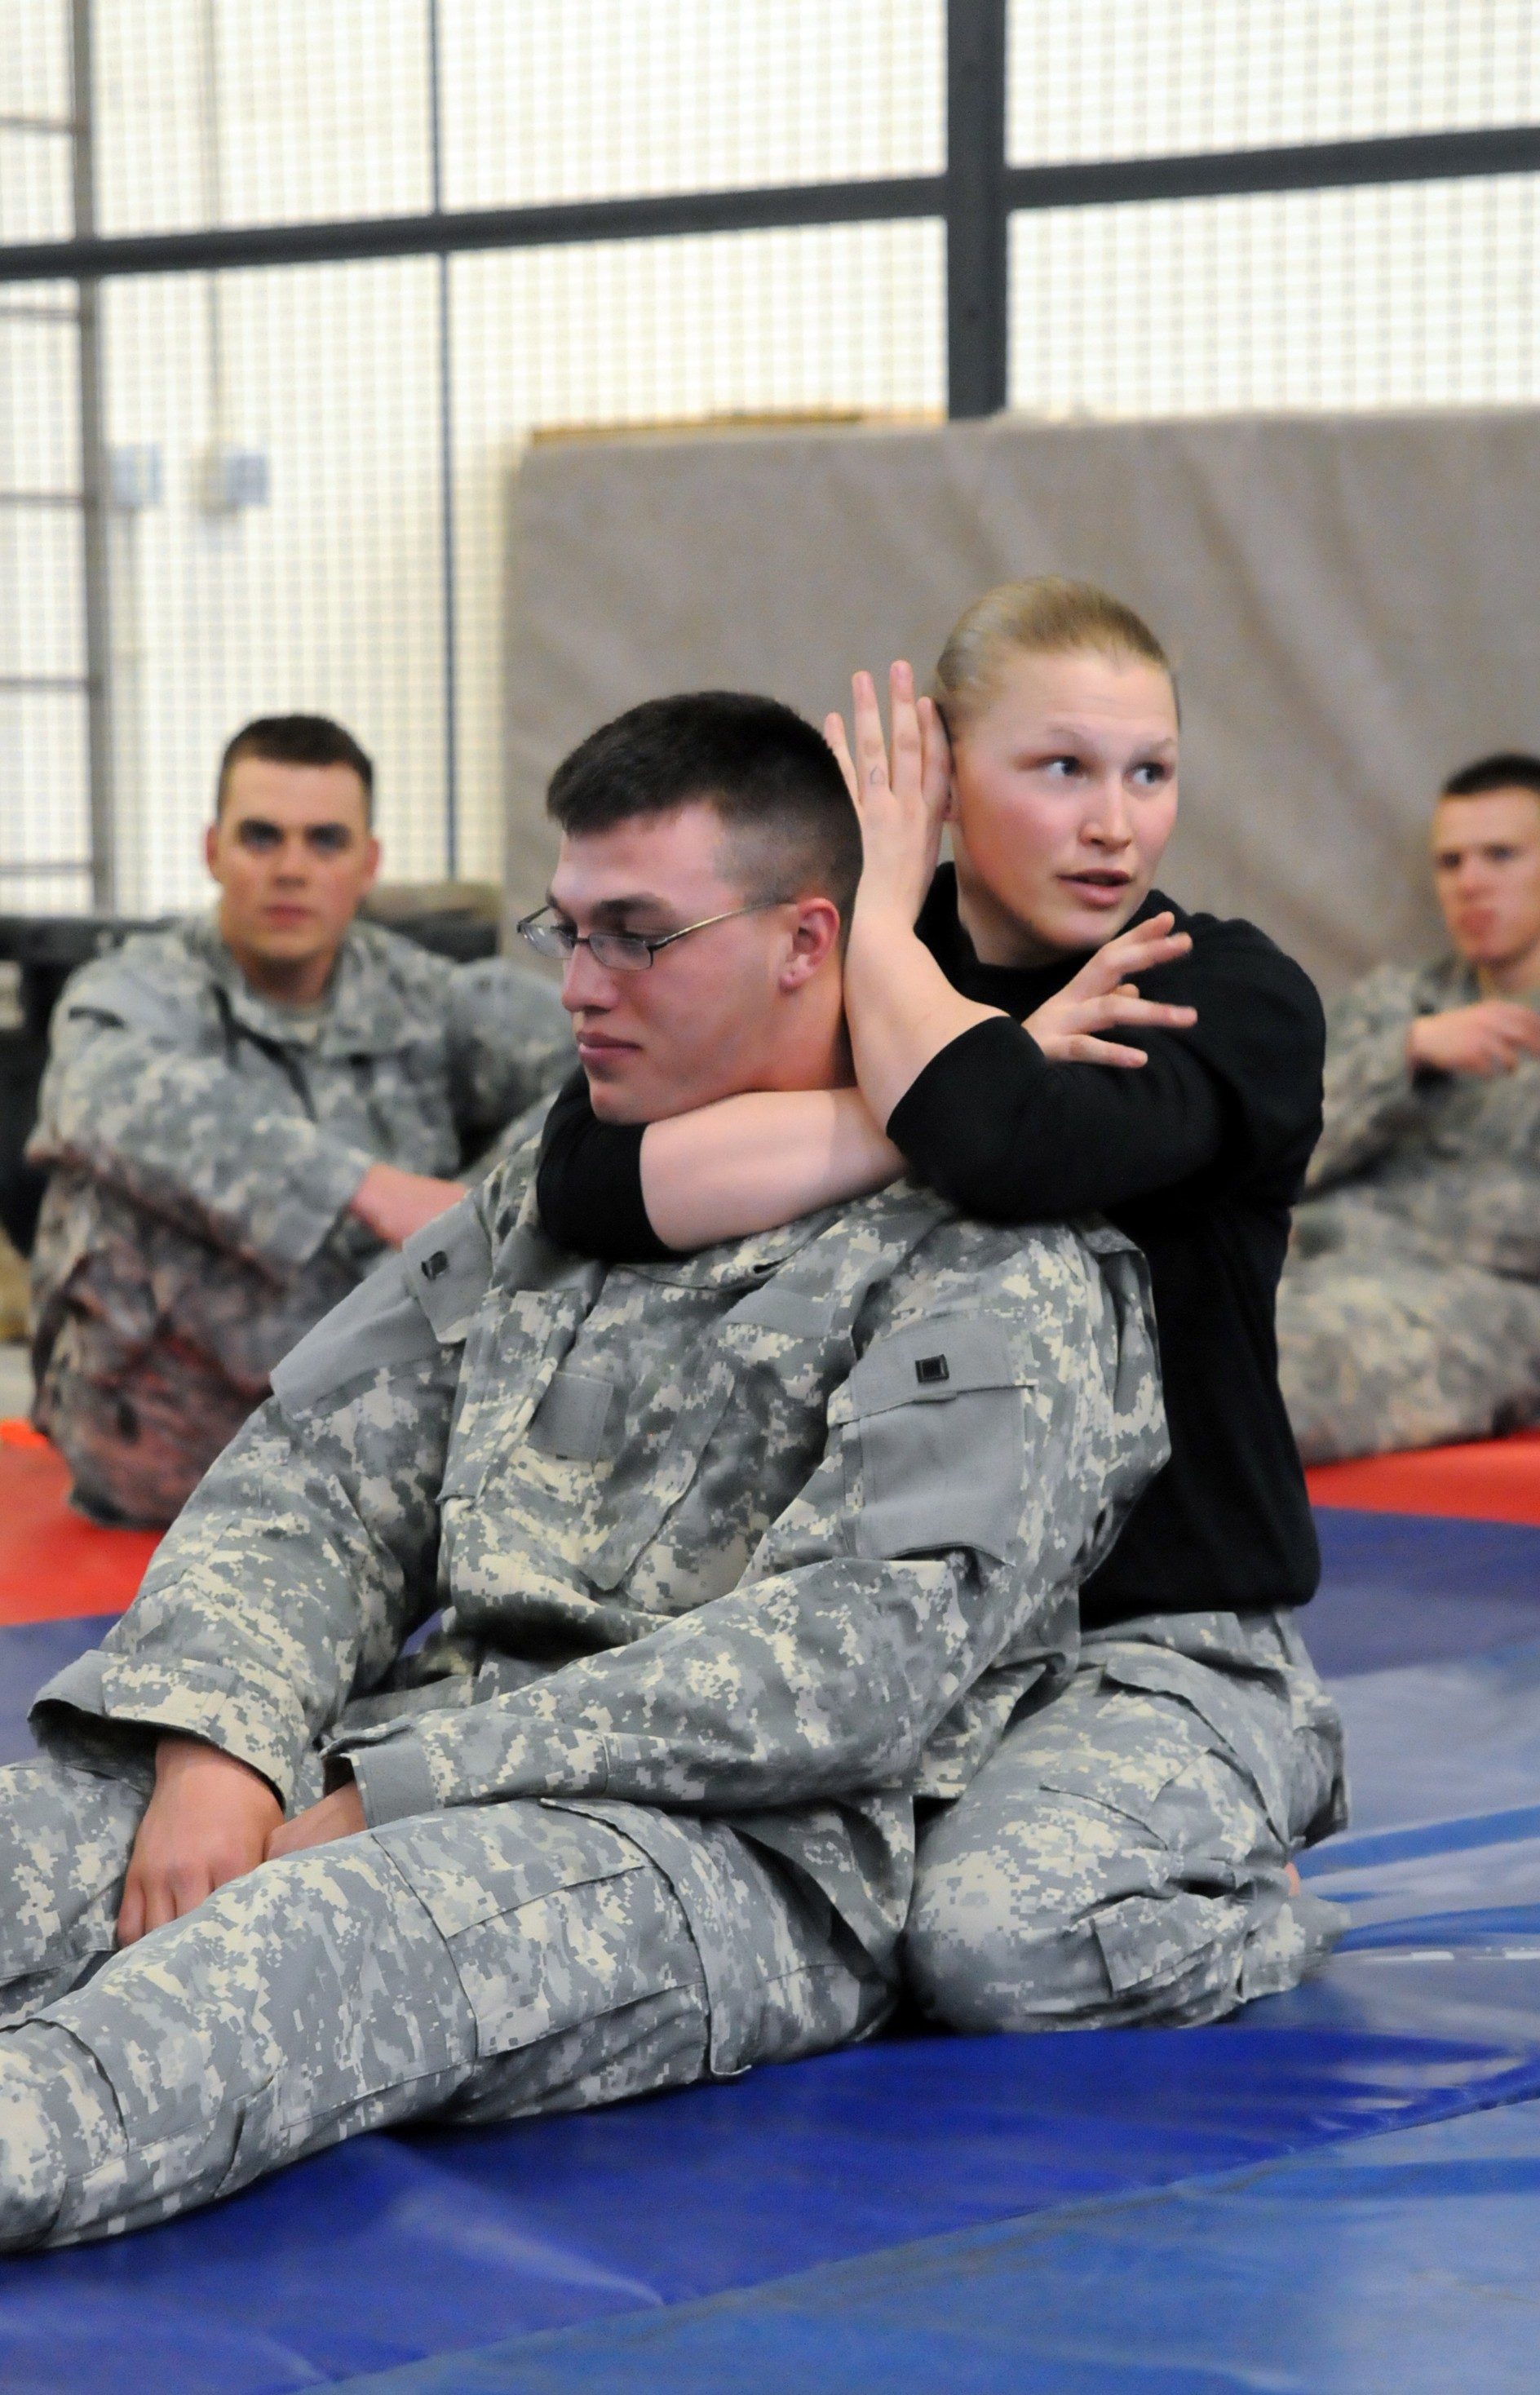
1198,1156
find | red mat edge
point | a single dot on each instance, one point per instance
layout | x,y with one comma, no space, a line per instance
1487,1480
54,1564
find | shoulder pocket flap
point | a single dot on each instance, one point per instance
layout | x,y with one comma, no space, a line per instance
111,993
447,1266
571,1417
932,1363
377,1324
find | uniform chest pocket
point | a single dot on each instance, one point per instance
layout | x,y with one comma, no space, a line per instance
667,1425
512,1353
577,1418
937,1429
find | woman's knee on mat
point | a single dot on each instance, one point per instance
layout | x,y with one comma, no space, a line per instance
998,1929
1069,1909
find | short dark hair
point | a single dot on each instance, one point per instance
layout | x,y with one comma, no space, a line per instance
1509,769
770,777
295,740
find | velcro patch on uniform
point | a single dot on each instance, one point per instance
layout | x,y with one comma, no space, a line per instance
449,1268
571,1418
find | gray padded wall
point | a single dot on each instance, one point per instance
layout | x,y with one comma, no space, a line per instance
1352,602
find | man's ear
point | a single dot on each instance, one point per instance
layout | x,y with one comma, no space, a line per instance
371,862
815,937
211,849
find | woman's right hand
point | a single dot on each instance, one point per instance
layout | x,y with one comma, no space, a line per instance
1103,994
901,802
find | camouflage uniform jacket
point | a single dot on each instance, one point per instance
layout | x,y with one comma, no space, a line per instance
205,1144
781,1532
1445,1166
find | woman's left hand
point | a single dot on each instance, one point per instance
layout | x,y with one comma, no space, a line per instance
1103,994
902,804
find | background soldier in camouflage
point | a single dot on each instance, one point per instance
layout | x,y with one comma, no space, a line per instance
1410,1308
746,1555
240,1113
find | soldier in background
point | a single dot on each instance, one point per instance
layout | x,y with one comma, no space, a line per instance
1410,1307
241,1113
746,1553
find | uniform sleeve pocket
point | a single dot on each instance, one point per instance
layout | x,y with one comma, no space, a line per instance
378,1324
936,1414
447,1266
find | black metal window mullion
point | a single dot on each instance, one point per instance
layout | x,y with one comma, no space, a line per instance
978,223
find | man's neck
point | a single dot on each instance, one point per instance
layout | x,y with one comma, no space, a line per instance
284,981
812,1044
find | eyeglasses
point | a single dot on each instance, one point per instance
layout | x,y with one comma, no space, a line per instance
622,951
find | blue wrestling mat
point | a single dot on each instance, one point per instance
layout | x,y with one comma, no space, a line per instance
1340,2190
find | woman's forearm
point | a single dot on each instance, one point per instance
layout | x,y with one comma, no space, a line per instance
901,1008
751,1163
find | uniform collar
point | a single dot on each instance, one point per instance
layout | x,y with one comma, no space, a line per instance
736,1263
903,1211
368,1012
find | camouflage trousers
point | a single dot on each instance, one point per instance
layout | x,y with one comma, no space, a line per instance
1123,1858
465,1967
1376,1353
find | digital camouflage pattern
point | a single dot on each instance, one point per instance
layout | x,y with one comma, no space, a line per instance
742,1556
205,1144
1122,1858
1409,1312
470,1965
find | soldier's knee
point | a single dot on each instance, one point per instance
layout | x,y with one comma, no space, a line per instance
985,1954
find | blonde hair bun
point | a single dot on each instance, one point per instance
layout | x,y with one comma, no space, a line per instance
1047,617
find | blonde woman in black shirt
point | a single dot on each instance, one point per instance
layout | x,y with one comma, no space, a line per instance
1037,1032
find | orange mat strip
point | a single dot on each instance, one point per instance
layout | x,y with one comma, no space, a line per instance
54,1564
1492,1480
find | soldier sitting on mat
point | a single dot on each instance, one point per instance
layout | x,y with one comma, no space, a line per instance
746,1555
240,1111
1410,1307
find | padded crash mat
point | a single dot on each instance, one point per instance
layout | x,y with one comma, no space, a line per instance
53,1563
967,2215
1416,1589
1401,2264
1490,1480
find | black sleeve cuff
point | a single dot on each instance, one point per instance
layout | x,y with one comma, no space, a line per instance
588,1183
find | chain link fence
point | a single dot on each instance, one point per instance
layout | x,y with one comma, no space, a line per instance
296,493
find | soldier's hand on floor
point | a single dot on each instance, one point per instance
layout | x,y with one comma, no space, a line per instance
209,1821
1489,1038
340,1815
394,1203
